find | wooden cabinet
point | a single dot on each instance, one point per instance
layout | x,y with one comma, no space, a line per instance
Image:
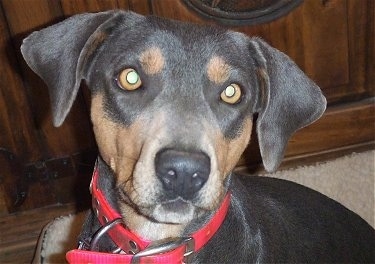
331,40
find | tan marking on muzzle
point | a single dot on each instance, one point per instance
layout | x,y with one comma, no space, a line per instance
229,151
224,154
218,70
119,146
152,60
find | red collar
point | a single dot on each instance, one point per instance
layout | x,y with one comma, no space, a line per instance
174,251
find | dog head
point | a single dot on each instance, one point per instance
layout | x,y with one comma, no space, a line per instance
172,103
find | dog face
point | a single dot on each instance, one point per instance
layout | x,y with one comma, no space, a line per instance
172,103
146,133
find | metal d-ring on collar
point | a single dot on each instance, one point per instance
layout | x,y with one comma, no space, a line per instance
166,246
100,233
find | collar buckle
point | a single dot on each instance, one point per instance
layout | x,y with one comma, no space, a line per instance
166,246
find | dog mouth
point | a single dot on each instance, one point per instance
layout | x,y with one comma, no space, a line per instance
178,206
177,211
169,211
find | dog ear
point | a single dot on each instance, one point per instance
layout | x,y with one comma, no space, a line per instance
58,54
289,101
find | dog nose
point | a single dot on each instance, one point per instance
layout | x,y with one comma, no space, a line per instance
182,173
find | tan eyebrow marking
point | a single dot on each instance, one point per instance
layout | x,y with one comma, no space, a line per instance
218,70
152,60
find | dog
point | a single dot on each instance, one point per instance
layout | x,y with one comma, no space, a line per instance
172,107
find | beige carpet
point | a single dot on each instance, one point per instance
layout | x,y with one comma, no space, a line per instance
349,180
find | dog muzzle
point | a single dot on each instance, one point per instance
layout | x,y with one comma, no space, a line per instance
131,247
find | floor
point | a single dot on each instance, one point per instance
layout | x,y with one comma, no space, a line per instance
19,232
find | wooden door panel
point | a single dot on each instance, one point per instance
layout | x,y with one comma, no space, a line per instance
370,36
16,117
18,143
325,42
29,123
25,16
72,7
177,10
340,127
358,16
286,34
140,6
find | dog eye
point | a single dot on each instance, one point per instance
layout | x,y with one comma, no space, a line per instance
129,79
231,94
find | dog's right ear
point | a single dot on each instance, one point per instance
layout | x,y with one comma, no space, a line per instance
59,54
289,101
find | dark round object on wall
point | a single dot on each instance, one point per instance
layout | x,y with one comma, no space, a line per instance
242,12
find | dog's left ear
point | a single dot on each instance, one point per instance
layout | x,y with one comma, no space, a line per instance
289,101
59,54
